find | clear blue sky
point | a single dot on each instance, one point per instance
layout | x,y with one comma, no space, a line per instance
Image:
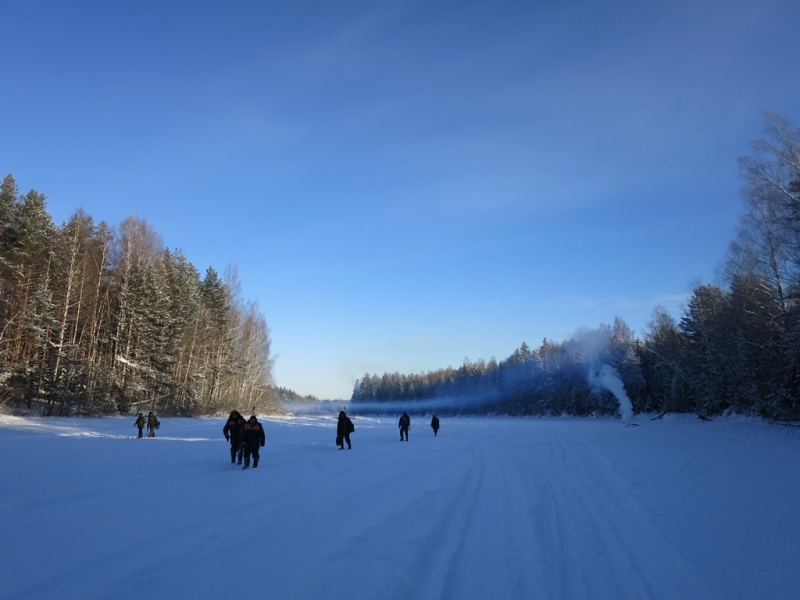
406,184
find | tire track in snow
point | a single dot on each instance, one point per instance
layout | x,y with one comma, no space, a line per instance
490,520
502,537
445,543
610,540
449,497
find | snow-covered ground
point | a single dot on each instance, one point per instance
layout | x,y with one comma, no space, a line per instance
492,508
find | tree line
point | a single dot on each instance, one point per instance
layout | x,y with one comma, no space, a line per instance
97,320
736,346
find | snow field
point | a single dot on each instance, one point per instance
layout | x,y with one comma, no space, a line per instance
491,508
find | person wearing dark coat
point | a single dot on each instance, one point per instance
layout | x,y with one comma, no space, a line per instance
404,424
435,425
344,427
253,438
233,433
152,425
140,423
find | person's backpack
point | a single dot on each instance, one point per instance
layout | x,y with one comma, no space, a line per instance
350,427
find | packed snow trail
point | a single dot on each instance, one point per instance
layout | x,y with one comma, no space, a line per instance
491,508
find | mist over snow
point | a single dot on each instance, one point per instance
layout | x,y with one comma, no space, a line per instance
461,402
526,508
542,381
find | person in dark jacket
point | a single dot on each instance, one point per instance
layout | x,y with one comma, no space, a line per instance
253,438
140,423
435,425
404,424
152,424
344,427
233,433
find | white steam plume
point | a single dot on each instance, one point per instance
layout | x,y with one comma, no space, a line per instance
606,377
601,375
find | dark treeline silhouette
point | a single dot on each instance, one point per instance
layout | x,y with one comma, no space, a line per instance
736,346
95,320
553,379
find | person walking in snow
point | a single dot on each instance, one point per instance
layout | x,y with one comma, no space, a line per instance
140,423
404,424
344,427
233,433
253,438
152,424
435,425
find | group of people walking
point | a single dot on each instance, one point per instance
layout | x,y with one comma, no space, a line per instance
344,427
405,423
246,437
152,423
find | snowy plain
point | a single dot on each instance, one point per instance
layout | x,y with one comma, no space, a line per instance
492,508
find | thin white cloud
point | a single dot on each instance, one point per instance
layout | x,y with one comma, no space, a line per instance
622,303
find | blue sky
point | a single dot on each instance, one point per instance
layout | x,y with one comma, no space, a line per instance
402,185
